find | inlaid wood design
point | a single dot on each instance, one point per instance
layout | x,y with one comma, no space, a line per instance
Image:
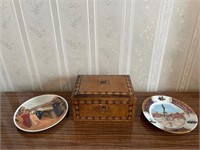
113,101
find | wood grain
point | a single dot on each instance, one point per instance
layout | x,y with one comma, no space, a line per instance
94,135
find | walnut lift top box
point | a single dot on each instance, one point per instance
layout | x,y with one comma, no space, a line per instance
103,97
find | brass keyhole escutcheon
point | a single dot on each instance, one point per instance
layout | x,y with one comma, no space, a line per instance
103,108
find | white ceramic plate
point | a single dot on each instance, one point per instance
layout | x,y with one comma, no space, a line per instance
40,113
169,114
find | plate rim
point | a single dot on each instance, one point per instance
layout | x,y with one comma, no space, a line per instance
48,127
183,132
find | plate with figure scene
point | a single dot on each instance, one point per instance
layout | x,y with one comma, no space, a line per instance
169,114
40,113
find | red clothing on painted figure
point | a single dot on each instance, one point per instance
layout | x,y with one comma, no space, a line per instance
26,120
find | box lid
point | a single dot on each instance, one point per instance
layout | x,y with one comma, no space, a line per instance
103,85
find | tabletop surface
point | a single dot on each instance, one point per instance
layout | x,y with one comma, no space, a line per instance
69,134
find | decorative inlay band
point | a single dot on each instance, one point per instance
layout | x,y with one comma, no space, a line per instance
130,91
102,102
78,116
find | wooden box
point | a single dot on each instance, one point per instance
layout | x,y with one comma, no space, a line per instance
103,97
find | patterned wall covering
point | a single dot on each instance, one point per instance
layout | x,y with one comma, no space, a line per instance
45,44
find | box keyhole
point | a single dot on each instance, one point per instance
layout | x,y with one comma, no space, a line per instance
103,108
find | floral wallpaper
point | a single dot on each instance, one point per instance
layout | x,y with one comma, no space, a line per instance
45,44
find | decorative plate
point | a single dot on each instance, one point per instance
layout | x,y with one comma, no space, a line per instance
169,114
40,113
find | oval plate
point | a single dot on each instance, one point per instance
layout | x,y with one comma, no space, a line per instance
40,113
169,114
